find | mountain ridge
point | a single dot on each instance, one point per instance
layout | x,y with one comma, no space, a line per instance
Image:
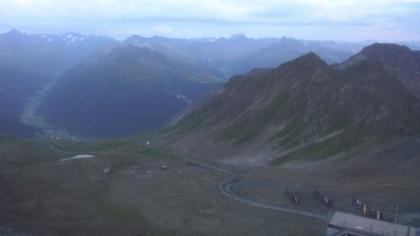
400,62
296,104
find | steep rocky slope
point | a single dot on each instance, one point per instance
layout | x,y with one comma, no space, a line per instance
398,60
304,109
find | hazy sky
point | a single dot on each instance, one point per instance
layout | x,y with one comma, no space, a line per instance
384,20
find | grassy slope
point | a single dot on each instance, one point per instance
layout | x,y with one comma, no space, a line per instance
137,197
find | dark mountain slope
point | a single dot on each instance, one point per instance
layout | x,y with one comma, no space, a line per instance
399,61
27,62
15,87
124,91
302,109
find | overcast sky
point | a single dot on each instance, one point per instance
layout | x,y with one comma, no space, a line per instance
349,20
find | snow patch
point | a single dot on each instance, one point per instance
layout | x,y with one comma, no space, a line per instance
73,38
80,156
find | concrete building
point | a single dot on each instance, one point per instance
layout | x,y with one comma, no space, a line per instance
344,224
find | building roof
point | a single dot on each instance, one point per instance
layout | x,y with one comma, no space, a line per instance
345,221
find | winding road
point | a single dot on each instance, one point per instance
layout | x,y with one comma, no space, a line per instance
226,189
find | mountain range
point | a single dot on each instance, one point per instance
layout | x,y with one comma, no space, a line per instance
306,109
95,86
239,54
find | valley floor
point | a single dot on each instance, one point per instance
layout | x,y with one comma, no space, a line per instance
30,117
130,188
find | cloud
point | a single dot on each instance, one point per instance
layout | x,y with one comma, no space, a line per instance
170,17
164,30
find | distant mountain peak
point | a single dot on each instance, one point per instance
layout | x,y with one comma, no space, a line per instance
398,60
309,59
15,37
14,33
311,56
238,36
385,46
381,50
